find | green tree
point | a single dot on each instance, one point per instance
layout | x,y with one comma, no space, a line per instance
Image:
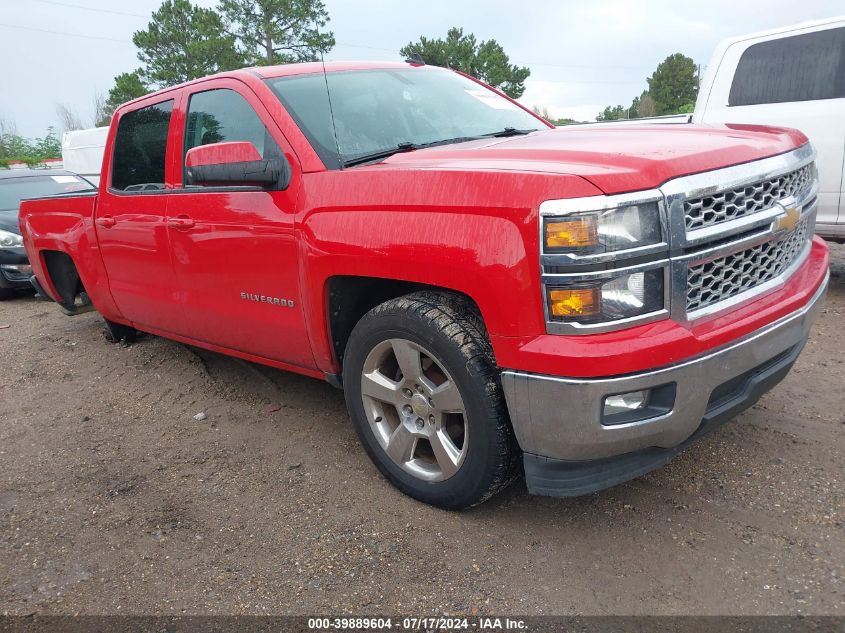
634,110
674,84
14,147
544,112
486,61
184,42
127,86
642,106
48,146
612,113
278,31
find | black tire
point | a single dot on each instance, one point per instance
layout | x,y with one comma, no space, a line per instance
7,293
118,333
451,329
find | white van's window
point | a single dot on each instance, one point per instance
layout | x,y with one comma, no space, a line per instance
805,67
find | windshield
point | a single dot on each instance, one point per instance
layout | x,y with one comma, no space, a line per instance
13,190
380,110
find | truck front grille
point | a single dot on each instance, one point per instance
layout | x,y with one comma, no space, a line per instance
728,205
718,280
729,236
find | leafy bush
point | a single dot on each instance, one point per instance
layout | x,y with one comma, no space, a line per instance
16,148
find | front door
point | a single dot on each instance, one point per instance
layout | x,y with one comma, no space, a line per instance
131,221
234,248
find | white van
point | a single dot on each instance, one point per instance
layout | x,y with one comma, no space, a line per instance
793,77
82,152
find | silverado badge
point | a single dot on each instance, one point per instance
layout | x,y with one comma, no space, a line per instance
273,301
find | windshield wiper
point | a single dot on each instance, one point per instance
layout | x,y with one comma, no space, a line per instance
384,153
407,147
510,131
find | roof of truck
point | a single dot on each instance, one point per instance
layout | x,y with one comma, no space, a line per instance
308,68
800,26
287,70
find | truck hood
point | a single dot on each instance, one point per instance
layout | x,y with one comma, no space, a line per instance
615,160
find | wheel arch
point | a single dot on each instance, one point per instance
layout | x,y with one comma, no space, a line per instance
349,297
62,276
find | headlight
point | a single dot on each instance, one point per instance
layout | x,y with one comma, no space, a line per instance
604,231
607,299
9,239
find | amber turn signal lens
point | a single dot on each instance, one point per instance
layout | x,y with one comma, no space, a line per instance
572,233
578,302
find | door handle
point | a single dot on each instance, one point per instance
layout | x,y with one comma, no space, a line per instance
181,222
106,221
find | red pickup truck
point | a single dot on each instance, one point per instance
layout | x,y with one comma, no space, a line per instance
494,295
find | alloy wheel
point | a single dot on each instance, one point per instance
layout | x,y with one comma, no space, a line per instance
415,409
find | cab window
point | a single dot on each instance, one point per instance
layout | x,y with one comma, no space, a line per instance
218,116
140,149
807,67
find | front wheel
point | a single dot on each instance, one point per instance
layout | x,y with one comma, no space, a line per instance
424,395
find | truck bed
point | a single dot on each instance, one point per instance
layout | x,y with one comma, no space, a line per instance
57,225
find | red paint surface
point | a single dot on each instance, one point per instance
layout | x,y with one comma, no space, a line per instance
222,154
461,217
662,342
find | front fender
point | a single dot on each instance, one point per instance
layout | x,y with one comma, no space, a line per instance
475,233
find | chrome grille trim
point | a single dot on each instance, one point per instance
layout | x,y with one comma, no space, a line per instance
715,281
731,204
697,186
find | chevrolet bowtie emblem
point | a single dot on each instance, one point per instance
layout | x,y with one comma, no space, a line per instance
787,221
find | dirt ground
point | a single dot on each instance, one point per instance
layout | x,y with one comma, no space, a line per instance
115,499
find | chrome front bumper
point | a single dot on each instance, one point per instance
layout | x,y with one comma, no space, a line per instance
561,418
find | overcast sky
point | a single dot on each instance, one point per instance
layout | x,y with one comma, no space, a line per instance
583,54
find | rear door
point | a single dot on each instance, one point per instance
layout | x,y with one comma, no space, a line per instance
235,253
131,219
791,81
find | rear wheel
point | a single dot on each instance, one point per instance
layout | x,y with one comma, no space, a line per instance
119,333
423,392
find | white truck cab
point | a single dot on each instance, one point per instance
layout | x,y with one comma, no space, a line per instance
790,77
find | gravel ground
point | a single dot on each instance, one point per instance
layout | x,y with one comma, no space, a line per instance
115,499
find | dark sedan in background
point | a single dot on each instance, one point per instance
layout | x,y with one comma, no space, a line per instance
15,185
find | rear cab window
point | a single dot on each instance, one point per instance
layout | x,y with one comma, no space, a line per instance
140,149
806,67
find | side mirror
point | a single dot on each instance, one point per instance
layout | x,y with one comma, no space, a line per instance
235,164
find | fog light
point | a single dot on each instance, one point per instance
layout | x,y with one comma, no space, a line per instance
625,402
